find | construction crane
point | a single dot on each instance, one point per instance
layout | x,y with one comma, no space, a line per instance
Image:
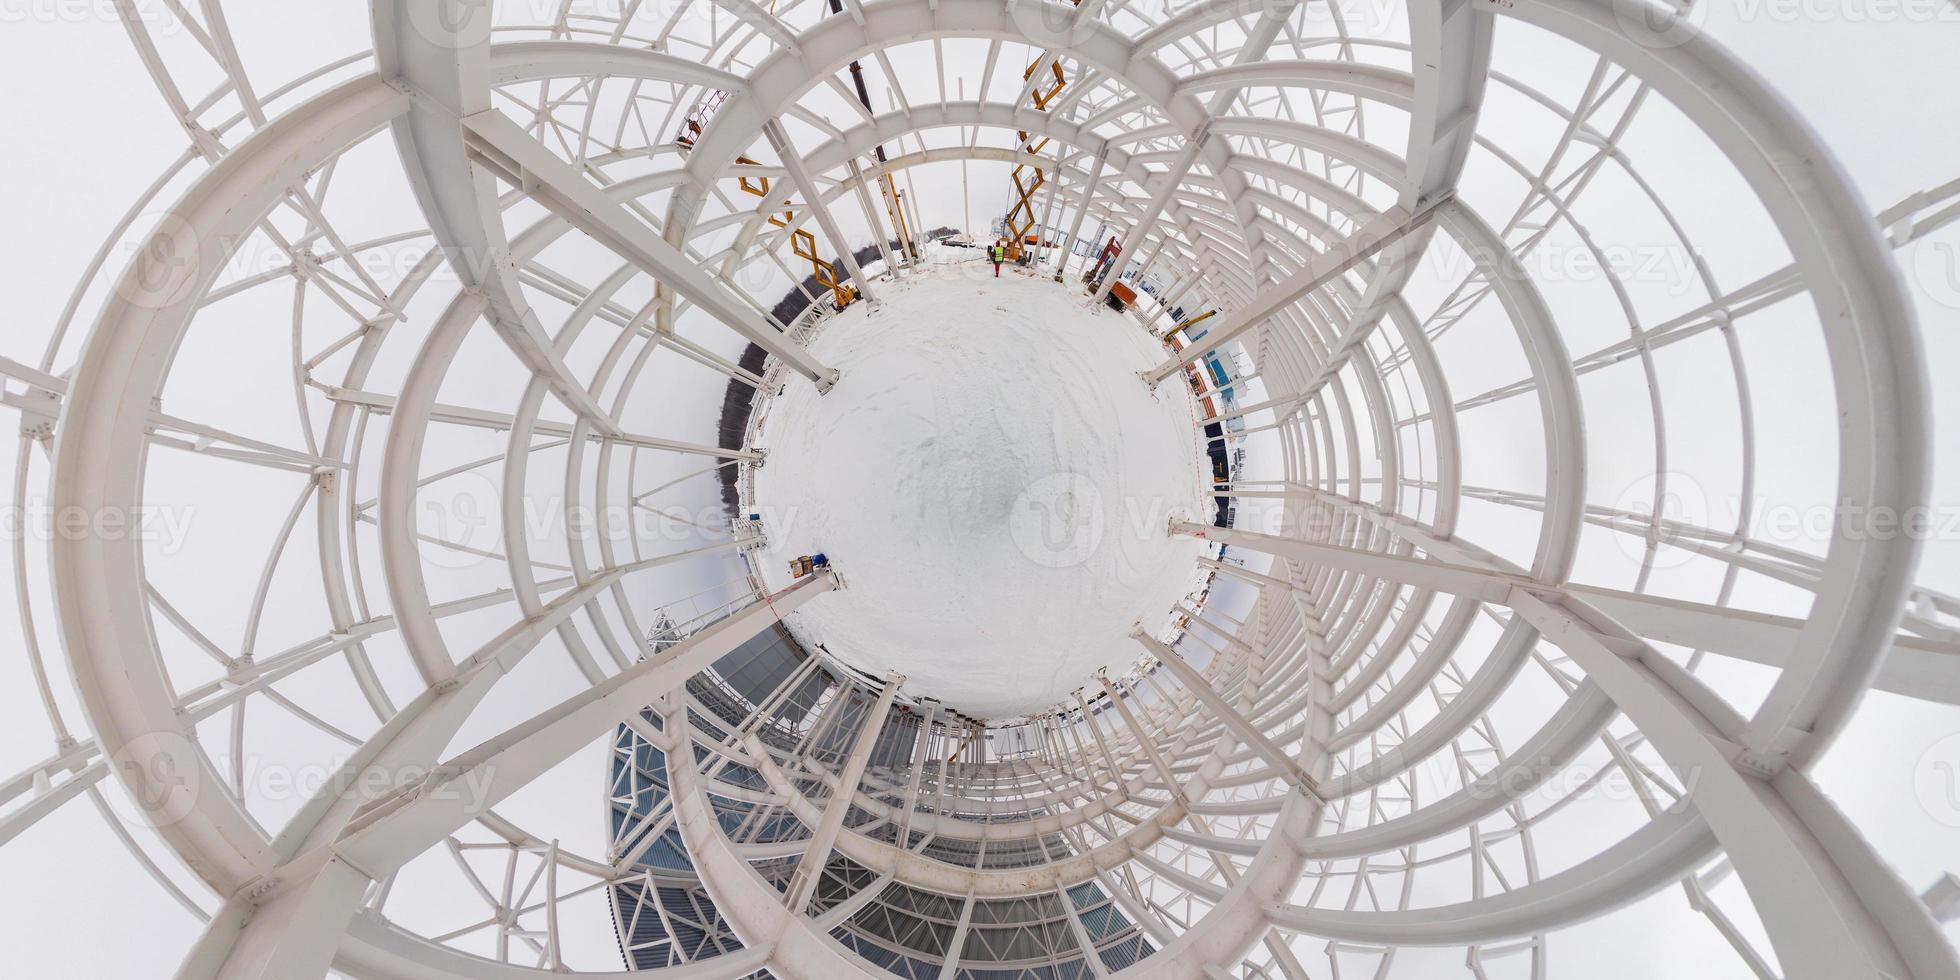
894,201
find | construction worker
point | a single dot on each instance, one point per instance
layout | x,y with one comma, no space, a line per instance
999,254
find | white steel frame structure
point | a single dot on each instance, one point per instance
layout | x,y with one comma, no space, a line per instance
1344,774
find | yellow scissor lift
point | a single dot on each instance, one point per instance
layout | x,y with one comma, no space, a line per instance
1022,222
801,242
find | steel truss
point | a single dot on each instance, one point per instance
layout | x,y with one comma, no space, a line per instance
1343,777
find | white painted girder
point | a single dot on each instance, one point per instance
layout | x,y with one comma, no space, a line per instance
439,52
1757,829
320,131
1873,368
97,468
1368,238
823,835
523,161
293,926
1878,377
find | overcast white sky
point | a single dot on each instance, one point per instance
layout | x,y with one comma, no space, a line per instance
86,133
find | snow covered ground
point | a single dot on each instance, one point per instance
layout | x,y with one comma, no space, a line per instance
992,481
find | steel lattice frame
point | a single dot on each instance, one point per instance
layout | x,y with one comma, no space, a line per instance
1241,819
